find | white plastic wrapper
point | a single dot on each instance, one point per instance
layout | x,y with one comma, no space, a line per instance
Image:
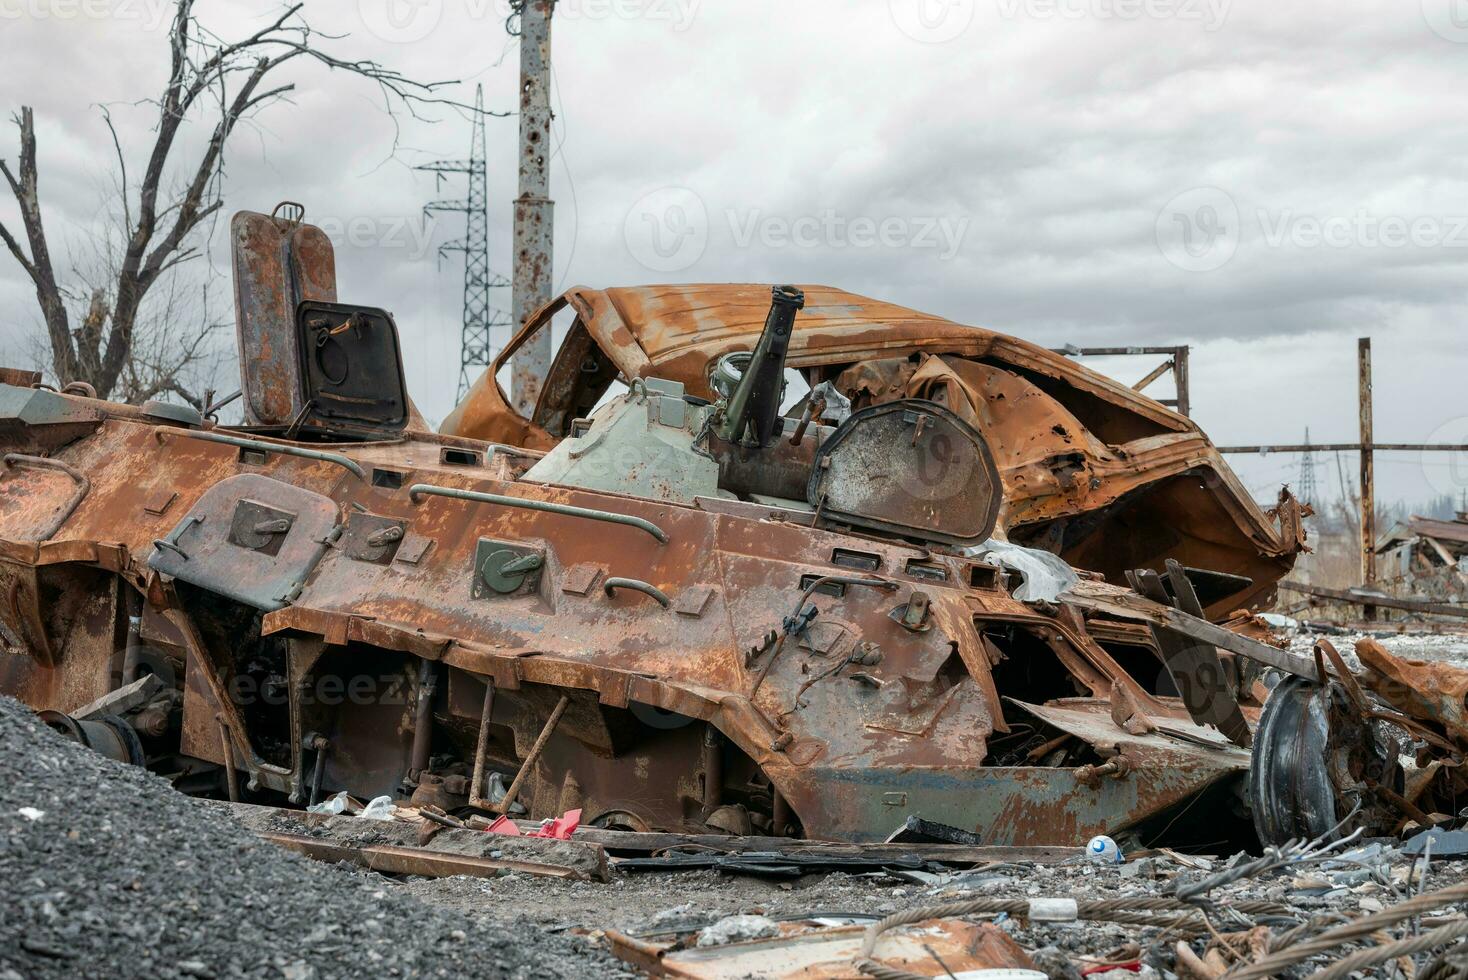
332,804
380,808
1045,575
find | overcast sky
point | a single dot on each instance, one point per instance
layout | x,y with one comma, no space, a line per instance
1265,181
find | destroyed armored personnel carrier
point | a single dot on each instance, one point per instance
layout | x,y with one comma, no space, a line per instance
1093,471
690,613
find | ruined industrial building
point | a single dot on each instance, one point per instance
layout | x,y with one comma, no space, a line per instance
776,581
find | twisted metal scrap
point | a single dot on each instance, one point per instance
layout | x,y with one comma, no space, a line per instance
1292,854
1129,911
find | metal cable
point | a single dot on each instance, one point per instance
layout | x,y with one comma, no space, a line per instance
1450,964
882,972
1352,931
1128,911
1390,951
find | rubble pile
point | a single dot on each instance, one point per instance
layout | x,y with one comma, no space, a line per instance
1159,914
110,872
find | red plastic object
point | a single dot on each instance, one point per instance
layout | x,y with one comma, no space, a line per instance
560,828
1135,966
503,825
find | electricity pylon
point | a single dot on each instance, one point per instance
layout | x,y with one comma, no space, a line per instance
1307,489
477,347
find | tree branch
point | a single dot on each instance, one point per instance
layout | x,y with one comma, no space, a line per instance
25,188
15,250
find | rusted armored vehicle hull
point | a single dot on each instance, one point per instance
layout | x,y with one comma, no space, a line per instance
1093,471
689,614
660,728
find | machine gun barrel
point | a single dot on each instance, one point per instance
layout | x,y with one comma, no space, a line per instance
752,416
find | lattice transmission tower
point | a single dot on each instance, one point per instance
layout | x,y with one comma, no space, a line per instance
477,346
1307,489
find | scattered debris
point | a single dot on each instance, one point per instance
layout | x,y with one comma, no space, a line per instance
810,951
736,928
917,830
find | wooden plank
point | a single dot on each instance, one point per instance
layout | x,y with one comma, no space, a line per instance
1155,373
390,859
576,858
1380,601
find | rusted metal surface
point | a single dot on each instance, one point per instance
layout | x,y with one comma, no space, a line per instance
1367,545
1437,692
776,639
1091,469
278,263
931,714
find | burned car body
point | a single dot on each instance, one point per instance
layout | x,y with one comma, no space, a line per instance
691,614
1093,471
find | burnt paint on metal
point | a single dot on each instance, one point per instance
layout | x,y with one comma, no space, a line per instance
277,265
1071,444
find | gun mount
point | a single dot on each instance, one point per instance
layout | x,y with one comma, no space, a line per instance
751,413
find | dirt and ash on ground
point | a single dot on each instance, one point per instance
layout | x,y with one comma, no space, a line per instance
109,872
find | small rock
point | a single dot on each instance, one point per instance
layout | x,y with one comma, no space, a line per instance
737,928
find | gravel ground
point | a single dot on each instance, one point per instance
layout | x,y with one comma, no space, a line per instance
110,873
159,885
1413,646
661,906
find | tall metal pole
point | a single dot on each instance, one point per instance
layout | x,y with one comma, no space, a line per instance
1184,383
1368,472
534,210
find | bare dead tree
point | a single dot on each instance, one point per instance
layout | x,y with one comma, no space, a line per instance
226,81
